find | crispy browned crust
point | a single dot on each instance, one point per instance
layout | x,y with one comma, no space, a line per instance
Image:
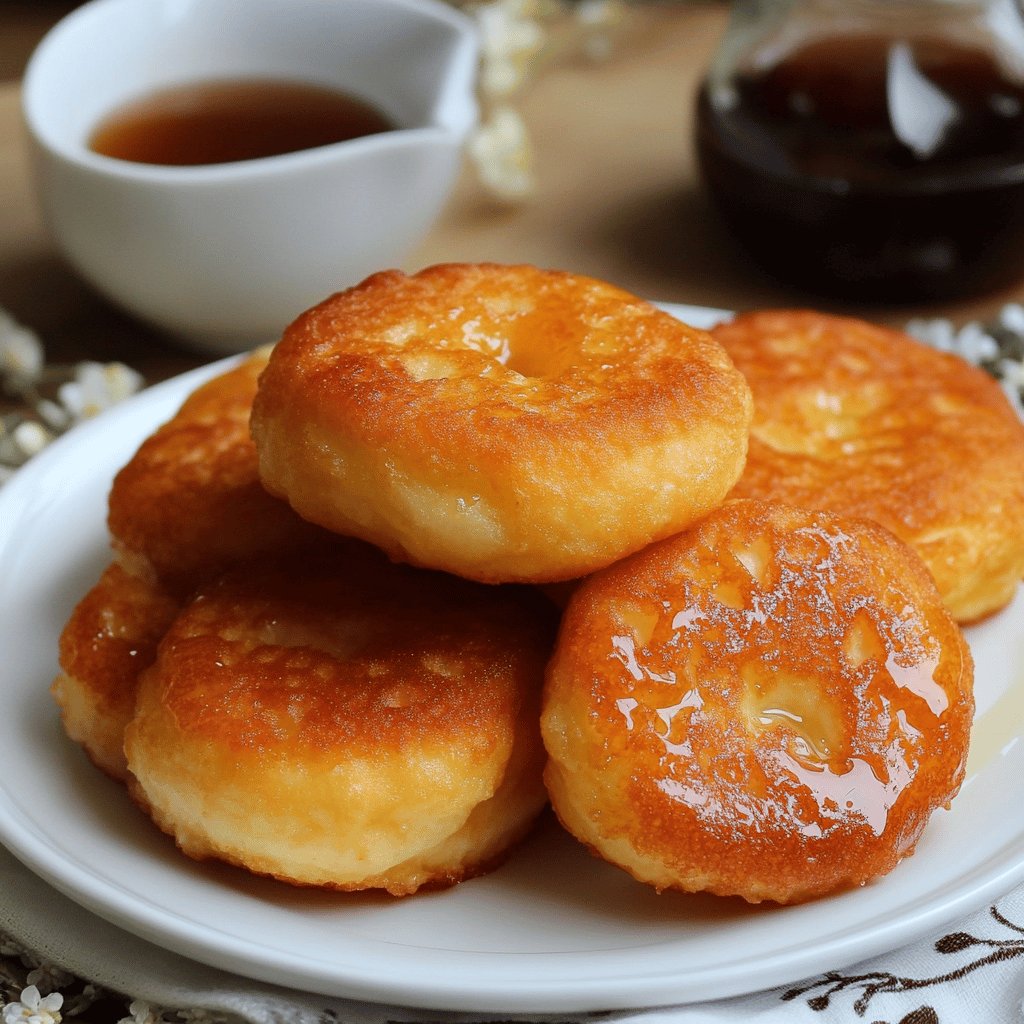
190,502
769,705
339,721
111,637
500,422
865,421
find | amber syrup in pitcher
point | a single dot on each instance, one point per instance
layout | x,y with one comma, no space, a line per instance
872,167
221,121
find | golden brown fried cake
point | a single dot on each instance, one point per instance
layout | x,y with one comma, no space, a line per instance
502,423
769,705
110,638
346,723
865,421
190,502
187,504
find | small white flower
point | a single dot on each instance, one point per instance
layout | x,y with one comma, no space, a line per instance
56,417
20,439
47,977
974,344
142,1013
32,1008
509,38
599,19
501,151
96,387
500,76
1011,316
21,352
31,438
971,342
1012,372
939,334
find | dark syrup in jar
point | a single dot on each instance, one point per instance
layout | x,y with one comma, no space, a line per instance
873,168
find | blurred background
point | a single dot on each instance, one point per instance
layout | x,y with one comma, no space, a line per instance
587,159
22,24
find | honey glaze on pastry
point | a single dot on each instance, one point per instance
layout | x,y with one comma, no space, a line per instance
190,503
346,723
865,421
502,423
770,705
111,637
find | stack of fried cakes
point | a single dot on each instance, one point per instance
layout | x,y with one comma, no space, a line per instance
326,651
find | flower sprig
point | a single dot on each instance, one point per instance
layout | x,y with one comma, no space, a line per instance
40,402
35,991
516,38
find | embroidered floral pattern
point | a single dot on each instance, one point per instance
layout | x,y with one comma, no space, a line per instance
987,952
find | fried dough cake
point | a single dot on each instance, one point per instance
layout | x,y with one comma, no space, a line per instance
770,705
865,421
111,637
335,720
188,504
503,423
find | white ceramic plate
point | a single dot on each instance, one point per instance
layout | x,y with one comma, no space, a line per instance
553,930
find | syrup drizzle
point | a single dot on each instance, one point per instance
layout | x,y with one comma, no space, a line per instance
797,746
999,729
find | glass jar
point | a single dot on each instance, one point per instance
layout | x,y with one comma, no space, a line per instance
871,149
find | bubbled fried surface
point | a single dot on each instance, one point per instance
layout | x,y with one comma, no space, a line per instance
769,705
342,722
865,421
190,502
502,423
111,636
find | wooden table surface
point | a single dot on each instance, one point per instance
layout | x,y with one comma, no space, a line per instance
618,196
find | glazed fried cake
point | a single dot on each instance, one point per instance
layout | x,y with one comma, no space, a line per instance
769,705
